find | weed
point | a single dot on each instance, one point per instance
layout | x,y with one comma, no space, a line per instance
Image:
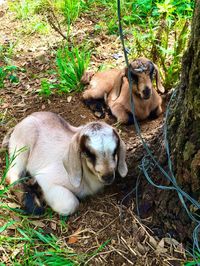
25,9
7,52
46,88
71,64
31,244
8,73
28,11
193,261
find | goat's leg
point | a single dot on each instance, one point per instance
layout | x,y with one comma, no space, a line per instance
61,200
122,115
93,92
18,161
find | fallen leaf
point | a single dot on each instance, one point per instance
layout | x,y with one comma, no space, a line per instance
53,225
153,242
69,98
13,205
38,223
72,240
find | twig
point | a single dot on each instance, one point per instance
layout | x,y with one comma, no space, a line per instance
56,28
107,226
52,17
122,255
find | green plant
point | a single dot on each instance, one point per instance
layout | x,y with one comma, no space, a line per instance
193,261
24,9
7,52
46,88
9,73
71,64
30,243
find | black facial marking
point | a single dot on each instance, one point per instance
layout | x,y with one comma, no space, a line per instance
90,155
134,77
146,92
117,146
85,150
151,70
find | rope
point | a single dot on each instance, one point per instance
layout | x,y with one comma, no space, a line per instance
149,159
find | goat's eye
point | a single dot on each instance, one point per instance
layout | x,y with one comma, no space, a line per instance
152,71
134,77
115,152
90,155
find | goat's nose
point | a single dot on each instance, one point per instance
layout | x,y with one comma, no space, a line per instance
146,92
108,179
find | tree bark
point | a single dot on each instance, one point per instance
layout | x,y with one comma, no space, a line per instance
164,206
184,122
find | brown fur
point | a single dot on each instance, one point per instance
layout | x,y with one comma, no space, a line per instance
113,86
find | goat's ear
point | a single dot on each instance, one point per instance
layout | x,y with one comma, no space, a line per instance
116,91
72,162
158,80
122,166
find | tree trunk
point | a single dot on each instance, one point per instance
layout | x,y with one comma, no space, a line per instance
184,123
164,206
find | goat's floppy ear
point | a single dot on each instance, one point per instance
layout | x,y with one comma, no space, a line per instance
117,86
72,162
158,80
122,166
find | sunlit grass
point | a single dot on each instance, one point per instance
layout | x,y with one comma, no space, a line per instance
28,240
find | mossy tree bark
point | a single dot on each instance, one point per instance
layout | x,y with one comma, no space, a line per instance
184,122
164,206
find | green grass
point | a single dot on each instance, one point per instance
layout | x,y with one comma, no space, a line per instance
193,262
71,62
9,73
24,240
159,29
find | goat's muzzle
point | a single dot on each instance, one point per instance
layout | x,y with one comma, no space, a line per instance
146,93
108,178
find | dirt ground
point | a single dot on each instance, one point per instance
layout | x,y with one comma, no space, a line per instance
110,215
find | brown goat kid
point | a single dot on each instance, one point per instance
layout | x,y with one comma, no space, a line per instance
113,87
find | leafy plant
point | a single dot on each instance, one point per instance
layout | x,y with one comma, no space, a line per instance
7,51
24,9
71,64
9,73
193,261
46,88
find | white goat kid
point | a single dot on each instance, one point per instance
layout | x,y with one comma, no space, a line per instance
67,162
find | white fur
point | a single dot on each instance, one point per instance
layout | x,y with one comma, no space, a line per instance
52,157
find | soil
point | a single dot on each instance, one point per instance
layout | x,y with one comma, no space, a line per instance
110,215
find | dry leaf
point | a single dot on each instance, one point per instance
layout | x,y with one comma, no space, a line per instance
160,248
38,223
53,225
171,241
72,240
69,98
141,248
153,242
13,205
